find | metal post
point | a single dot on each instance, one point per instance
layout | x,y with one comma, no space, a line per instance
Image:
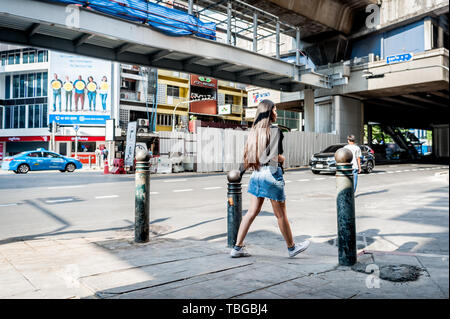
229,12
345,208
234,205
255,32
52,143
90,161
76,144
297,53
142,197
191,4
278,39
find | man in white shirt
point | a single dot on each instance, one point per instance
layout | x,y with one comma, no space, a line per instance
356,161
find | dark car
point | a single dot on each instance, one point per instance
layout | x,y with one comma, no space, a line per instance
325,162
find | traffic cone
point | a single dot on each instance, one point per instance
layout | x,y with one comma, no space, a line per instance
106,169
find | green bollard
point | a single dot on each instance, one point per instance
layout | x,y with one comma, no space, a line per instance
345,208
234,206
142,197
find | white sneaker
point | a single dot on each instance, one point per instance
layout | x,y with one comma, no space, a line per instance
239,253
299,248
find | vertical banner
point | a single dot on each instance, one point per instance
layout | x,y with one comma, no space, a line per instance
79,90
131,143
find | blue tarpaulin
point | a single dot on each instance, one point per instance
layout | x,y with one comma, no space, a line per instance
168,20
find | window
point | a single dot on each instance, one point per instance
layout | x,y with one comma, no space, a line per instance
1,117
16,85
7,116
10,59
173,91
44,84
228,99
84,147
244,101
42,56
25,57
44,115
17,58
38,84
22,114
22,85
15,119
31,57
35,154
7,86
51,155
4,59
31,92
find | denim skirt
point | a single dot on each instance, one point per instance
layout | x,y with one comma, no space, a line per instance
267,182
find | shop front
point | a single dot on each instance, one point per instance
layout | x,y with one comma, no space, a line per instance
203,89
85,147
12,145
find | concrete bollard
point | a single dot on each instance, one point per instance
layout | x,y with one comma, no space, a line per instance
345,208
234,206
142,197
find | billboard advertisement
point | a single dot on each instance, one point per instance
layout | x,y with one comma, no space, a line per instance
79,90
257,95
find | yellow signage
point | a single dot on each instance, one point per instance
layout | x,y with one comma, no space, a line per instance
80,85
91,86
56,85
68,86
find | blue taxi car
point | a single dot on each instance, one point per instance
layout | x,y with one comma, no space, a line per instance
39,160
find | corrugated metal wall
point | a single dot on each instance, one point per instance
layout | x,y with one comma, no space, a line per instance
215,150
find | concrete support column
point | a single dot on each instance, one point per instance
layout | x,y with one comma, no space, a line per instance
428,36
309,110
255,32
348,118
229,11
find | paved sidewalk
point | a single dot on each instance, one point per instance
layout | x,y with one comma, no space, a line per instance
113,266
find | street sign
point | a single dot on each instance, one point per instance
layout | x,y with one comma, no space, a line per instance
76,127
131,142
399,58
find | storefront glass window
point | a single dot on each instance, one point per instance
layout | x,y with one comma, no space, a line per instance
15,118
22,113
84,147
37,116
7,117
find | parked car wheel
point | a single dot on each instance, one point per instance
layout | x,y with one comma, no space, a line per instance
70,167
369,167
23,169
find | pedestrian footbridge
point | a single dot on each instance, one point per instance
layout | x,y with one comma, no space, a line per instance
79,30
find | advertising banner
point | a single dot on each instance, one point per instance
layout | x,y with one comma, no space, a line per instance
257,95
131,143
79,90
1,151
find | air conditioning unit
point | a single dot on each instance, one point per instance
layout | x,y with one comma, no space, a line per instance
142,130
143,122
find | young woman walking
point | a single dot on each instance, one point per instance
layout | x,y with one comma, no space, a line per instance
263,152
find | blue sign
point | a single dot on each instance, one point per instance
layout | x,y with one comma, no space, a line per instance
79,119
399,58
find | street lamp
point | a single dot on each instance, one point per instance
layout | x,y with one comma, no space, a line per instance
173,114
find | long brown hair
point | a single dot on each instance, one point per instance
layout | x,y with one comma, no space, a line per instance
259,135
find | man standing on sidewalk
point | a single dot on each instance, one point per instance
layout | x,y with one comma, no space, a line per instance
356,161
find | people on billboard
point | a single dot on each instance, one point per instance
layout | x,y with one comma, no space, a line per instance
56,85
80,86
68,88
103,91
92,92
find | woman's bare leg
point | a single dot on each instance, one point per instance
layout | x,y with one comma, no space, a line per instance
255,207
279,209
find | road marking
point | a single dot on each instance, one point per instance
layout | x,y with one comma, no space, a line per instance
175,180
154,193
390,172
381,173
70,186
59,200
106,196
303,180
287,182
414,169
214,187
427,169
398,171
421,169
6,205
182,190
407,170
319,178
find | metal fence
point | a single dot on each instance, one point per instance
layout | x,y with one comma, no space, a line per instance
215,149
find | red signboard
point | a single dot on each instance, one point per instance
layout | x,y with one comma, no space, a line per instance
80,138
203,81
24,138
1,151
84,158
